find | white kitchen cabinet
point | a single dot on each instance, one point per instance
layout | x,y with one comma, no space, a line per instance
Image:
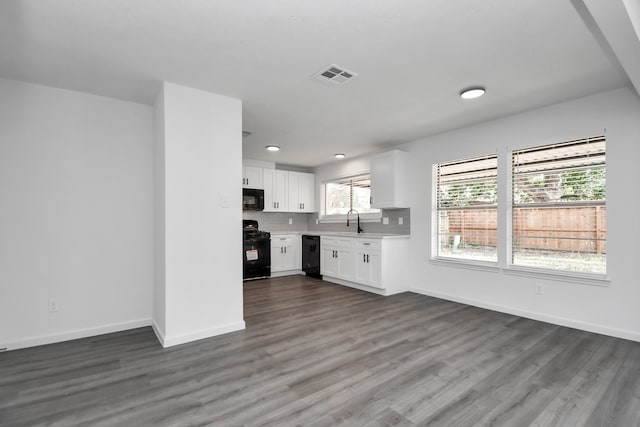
252,177
285,252
373,264
389,183
276,190
368,262
301,192
336,257
328,261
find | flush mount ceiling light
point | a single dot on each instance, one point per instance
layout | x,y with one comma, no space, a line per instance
339,156
272,148
472,92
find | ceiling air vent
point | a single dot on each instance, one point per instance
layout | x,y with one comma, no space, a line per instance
334,74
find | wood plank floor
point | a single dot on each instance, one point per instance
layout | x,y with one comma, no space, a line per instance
317,354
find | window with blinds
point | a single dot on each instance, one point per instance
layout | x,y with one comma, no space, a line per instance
348,193
465,208
558,206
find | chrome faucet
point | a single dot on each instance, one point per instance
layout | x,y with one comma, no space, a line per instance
353,210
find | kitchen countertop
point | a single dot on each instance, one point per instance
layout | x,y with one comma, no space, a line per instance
344,234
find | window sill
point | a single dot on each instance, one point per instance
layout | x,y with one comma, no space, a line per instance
582,278
468,264
335,219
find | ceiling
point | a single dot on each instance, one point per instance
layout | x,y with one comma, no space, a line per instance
413,57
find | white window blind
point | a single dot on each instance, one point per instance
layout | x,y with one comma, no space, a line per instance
349,193
559,209
466,197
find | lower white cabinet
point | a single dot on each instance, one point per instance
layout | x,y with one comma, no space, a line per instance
374,264
285,252
336,257
368,262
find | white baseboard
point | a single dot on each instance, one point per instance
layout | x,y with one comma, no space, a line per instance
170,341
75,334
286,273
561,321
337,281
159,333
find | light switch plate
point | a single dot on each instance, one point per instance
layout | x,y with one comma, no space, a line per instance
385,220
400,221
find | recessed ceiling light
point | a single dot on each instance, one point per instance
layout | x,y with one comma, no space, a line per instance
339,156
272,148
472,92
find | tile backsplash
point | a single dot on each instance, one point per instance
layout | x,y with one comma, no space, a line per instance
279,222
369,227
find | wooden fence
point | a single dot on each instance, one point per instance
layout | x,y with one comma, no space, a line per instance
574,229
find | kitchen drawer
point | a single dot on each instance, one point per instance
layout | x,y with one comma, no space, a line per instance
370,244
338,242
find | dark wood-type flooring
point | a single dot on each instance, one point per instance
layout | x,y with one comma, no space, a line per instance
317,354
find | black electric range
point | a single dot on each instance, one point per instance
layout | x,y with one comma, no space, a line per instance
256,251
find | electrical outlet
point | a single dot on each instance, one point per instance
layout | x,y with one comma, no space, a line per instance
53,305
400,221
539,289
290,221
385,220
317,221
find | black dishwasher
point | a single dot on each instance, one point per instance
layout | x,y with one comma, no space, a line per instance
311,255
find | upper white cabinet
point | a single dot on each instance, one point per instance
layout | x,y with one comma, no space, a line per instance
389,186
276,190
301,192
252,177
288,191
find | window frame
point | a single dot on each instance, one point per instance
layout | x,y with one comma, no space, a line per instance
435,216
590,278
337,218
504,225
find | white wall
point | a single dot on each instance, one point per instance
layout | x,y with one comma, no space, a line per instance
202,214
612,310
75,214
159,282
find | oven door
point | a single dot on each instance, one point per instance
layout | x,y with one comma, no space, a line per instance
256,258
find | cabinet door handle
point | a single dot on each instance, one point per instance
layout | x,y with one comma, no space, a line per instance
367,258
285,249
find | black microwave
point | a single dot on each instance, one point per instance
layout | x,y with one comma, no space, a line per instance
252,199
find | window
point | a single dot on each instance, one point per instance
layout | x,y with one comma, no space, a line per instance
349,193
465,208
558,206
